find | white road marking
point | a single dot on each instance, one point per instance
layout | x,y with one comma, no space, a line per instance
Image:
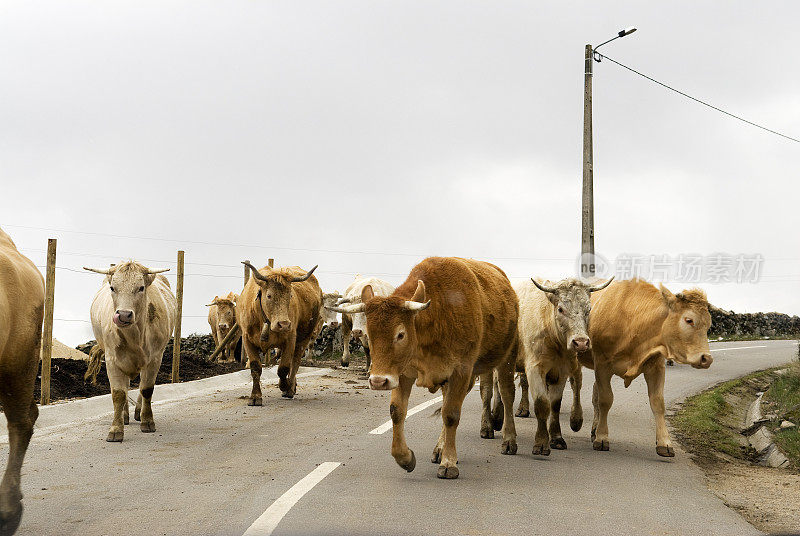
268,521
738,348
385,427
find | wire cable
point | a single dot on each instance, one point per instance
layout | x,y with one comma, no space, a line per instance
704,103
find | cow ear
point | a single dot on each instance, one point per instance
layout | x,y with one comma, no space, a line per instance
367,294
148,279
668,296
419,294
553,297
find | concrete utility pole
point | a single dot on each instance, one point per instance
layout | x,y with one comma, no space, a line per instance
587,205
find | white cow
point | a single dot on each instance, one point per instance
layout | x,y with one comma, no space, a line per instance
356,324
330,318
133,317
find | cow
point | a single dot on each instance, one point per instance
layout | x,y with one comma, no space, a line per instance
452,320
21,313
553,329
355,324
635,327
221,318
278,308
133,317
330,318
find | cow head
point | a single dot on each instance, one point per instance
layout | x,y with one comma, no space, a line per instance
571,306
685,330
128,284
275,294
392,332
329,317
226,312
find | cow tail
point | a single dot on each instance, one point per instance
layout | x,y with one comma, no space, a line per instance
96,355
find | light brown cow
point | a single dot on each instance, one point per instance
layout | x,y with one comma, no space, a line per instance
133,317
221,318
452,320
278,308
21,311
634,328
553,328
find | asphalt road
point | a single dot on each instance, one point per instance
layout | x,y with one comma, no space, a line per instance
215,466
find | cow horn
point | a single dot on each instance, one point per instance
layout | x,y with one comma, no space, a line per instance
348,309
97,271
543,288
154,272
254,271
416,306
301,279
601,286
343,300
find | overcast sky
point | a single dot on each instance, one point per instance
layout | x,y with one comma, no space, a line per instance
363,136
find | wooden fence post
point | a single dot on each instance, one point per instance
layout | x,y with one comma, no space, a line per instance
271,263
246,273
176,344
47,335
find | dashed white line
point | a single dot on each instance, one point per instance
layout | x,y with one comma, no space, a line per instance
268,521
385,427
738,348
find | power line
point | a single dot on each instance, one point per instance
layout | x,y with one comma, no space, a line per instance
704,103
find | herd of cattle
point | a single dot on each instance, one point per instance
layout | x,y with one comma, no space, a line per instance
451,322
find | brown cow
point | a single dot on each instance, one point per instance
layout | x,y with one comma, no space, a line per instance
221,318
21,311
452,320
278,308
635,328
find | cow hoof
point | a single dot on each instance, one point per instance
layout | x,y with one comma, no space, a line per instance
497,422
558,443
9,522
487,433
137,414
126,419
436,457
576,424
448,472
594,433
524,413
509,447
667,452
115,437
148,427
600,444
287,395
411,465
345,363
255,401
540,450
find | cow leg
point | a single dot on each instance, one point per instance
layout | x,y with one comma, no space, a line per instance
437,450
299,351
541,408
126,415
457,389
576,383
365,344
596,407
505,377
605,397
347,327
556,393
487,386
498,409
21,413
147,381
254,359
120,383
398,406
524,409
654,376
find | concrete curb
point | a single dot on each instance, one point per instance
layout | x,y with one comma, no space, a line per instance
57,416
760,438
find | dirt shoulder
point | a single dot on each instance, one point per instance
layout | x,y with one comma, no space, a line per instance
708,427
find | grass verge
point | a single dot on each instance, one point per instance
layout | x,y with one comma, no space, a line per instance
782,400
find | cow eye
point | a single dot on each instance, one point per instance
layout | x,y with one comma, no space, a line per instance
400,336
689,321
141,289
112,289
560,310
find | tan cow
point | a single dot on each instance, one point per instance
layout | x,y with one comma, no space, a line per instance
635,328
452,320
278,308
21,311
133,317
553,328
221,318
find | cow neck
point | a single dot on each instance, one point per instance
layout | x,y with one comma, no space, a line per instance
131,340
260,308
553,332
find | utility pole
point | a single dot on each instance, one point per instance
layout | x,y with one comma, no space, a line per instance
587,208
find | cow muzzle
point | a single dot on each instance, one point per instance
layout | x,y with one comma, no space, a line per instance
282,326
123,318
702,362
357,333
380,382
581,344
223,326
334,325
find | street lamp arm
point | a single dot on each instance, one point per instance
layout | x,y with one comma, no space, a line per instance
621,33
